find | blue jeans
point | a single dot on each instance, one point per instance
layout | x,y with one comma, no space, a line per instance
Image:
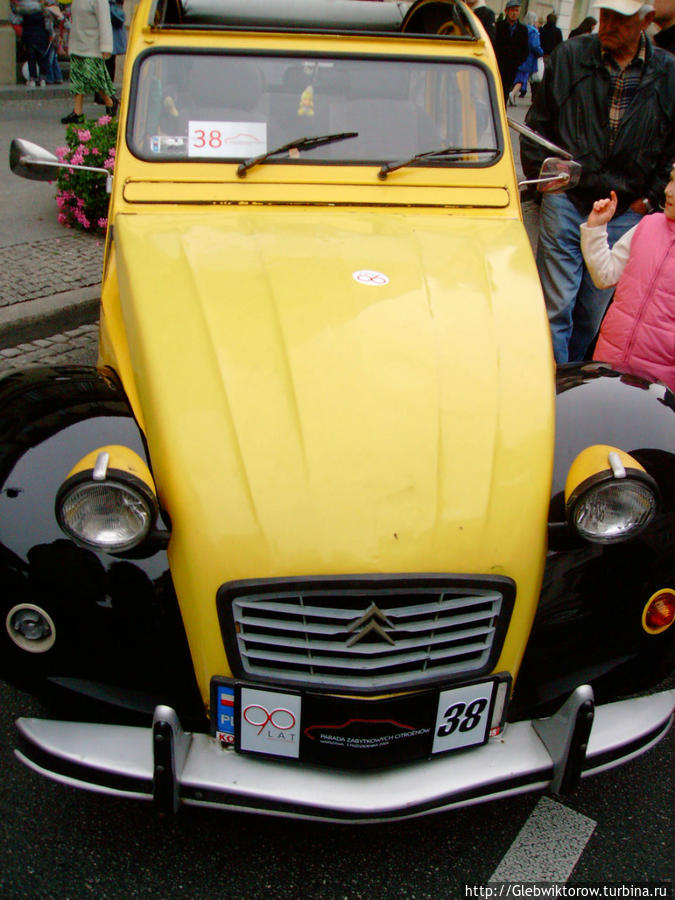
575,306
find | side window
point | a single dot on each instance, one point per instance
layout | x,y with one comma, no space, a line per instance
459,101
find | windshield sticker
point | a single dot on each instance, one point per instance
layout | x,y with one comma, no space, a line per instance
370,277
227,139
163,143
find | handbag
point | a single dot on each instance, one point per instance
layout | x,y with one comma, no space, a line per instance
538,74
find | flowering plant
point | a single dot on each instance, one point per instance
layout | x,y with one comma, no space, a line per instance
81,197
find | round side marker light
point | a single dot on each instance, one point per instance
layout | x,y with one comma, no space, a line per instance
659,611
31,628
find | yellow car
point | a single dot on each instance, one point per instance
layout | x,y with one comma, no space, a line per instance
318,536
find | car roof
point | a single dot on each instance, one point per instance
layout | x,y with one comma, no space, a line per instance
448,19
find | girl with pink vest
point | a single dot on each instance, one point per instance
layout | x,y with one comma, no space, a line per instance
637,334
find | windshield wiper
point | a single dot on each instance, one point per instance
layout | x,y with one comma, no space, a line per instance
450,152
303,143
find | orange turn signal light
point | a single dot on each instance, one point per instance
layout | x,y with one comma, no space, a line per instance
659,611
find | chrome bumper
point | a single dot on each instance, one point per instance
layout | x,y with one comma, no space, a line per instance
173,767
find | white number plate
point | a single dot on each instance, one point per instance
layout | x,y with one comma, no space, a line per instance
354,731
463,717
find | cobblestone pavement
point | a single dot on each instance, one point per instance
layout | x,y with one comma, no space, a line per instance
78,345
44,268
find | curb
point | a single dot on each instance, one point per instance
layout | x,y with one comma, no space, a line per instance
44,316
21,92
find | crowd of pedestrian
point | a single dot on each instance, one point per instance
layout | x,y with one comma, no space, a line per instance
608,99
606,96
34,22
96,36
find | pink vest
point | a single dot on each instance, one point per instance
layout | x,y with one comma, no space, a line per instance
638,332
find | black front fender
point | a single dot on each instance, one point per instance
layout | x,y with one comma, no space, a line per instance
588,627
118,633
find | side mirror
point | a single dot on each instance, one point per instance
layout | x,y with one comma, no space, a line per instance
557,175
28,160
31,161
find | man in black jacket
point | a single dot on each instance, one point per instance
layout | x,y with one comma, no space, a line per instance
511,44
609,99
550,35
486,16
664,17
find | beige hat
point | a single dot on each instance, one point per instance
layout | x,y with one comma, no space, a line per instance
623,7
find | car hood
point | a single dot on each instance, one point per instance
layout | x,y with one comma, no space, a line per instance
340,391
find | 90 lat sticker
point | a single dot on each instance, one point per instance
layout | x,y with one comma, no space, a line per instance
221,139
269,722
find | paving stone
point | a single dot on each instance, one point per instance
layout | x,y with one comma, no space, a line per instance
49,267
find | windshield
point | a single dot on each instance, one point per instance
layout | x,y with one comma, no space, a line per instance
234,107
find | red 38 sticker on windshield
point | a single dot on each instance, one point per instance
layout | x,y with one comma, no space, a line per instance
226,139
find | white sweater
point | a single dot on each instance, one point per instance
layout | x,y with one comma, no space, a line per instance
91,31
604,265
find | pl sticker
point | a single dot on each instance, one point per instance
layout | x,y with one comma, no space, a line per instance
370,277
225,724
270,722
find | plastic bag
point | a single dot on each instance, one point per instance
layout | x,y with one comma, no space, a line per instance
539,73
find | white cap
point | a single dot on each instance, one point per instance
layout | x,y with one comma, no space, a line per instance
623,7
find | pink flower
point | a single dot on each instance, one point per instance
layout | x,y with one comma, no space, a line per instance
95,151
61,153
104,120
62,219
109,164
81,218
77,158
102,223
111,152
84,135
80,202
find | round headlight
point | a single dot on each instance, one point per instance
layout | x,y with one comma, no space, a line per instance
108,500
108,516
613,510
609,496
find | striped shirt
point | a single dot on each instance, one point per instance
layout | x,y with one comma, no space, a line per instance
623,85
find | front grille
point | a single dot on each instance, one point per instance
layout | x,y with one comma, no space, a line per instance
365,633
